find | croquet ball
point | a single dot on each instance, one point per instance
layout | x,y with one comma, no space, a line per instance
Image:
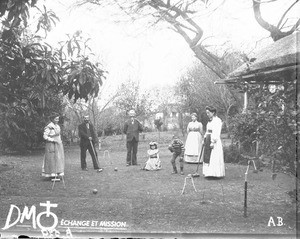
116,169
95,191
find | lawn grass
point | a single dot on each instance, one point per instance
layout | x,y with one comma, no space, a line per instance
149,202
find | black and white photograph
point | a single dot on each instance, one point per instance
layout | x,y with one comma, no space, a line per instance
149,118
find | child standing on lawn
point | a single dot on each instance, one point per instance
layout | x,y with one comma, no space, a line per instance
153,162
177,148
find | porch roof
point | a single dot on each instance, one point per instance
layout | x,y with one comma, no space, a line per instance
274,64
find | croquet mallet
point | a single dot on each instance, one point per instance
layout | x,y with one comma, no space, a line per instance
196,174
96,156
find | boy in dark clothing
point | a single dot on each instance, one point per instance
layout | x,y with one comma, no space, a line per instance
177,148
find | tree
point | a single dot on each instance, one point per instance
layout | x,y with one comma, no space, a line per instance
46,20
197,92
279,31
111,121
158,123
181,16
17,12
75,111
34,76
272,120
76,76
130,97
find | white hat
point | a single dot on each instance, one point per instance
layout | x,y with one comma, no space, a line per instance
153,143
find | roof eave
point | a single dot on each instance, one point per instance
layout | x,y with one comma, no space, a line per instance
262,75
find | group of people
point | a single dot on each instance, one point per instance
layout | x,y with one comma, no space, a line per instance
199,147
206,147
54,159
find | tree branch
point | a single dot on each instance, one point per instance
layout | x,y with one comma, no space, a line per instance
275,32
160,5
171,20
284,14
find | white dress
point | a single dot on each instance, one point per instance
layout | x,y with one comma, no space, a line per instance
216,166
153,162
193,143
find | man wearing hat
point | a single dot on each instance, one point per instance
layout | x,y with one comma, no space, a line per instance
88,139
132,128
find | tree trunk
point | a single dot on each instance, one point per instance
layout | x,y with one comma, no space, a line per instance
158,134
215,64
275,31
209,60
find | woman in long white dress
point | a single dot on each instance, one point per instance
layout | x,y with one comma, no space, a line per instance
54,159
213,161
193,143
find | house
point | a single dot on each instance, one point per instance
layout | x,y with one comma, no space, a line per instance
273,65
170,116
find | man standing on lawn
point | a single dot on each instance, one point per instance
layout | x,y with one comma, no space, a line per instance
88,139
132,128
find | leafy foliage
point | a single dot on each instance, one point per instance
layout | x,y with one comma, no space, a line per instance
158,123
112,122
46,20
130,97
34,77
17,11
197,90
273,120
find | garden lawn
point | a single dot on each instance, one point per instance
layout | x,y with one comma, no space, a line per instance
148,202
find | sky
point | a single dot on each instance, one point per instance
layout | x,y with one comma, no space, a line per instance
127,51
156,56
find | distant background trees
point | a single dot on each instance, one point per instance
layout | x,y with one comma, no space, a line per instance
197,90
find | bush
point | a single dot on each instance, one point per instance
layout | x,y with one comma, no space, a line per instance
158,123
272,121
231,154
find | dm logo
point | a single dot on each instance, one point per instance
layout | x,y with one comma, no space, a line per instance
36,218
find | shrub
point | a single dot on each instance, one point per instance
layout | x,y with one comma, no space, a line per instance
272,121
231,154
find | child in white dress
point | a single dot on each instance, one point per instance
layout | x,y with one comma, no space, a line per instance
153,162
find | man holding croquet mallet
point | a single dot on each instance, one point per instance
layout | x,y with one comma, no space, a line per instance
132,128
88,139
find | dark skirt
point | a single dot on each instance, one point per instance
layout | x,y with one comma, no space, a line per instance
207,149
